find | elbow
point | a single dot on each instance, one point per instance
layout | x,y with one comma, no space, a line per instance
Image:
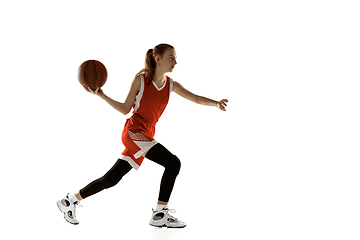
125,111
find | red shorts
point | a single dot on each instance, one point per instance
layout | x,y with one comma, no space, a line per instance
138,138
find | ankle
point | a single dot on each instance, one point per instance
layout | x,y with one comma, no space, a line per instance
160,207
74,198
78,196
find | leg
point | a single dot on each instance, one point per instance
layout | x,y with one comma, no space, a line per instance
172,164
161,215
68,204
78,196
110,179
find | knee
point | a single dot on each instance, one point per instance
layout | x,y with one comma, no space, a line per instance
175,165
109,182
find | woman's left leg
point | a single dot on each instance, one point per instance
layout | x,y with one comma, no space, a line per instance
172,164
161,216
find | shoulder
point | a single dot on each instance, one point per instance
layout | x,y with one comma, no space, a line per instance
136,83
169,79
137,78
176,86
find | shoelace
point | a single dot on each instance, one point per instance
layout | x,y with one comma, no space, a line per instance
171,211
166,210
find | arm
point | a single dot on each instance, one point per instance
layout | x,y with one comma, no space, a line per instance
181,91
125,107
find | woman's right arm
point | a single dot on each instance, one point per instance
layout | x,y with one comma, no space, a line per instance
125,107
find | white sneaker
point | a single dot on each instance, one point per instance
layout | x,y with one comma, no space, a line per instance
164,219
69,209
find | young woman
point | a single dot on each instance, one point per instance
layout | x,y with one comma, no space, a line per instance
149,95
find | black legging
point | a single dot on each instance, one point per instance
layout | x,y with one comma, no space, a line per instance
158,154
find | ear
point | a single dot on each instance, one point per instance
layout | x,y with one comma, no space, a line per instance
157,59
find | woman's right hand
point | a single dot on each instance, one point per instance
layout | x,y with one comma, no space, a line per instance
97,92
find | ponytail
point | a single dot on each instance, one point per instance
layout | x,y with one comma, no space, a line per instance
150,63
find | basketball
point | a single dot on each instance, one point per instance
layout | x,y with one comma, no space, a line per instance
92,74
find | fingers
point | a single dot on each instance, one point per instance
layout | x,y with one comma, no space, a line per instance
222,104
88,89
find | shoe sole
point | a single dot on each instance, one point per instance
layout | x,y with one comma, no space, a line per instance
177,227
166,226
57,204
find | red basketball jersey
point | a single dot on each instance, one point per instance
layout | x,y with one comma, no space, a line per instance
139,130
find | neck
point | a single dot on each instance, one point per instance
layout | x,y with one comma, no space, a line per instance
159,77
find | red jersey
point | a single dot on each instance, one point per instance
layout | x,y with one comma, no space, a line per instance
139,130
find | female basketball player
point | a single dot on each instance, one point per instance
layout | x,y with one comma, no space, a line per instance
150,91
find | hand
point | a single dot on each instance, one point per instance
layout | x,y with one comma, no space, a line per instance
97,92
222,104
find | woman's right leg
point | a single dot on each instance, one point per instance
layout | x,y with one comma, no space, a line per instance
110,179
68,204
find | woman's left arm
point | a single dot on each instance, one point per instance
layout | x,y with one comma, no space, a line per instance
180,90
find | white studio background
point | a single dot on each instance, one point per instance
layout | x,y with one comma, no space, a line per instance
281,163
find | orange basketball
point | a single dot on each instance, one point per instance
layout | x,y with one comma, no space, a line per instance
92,74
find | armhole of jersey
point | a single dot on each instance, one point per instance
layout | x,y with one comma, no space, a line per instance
140,94
171,84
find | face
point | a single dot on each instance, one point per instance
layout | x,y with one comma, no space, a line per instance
168,61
